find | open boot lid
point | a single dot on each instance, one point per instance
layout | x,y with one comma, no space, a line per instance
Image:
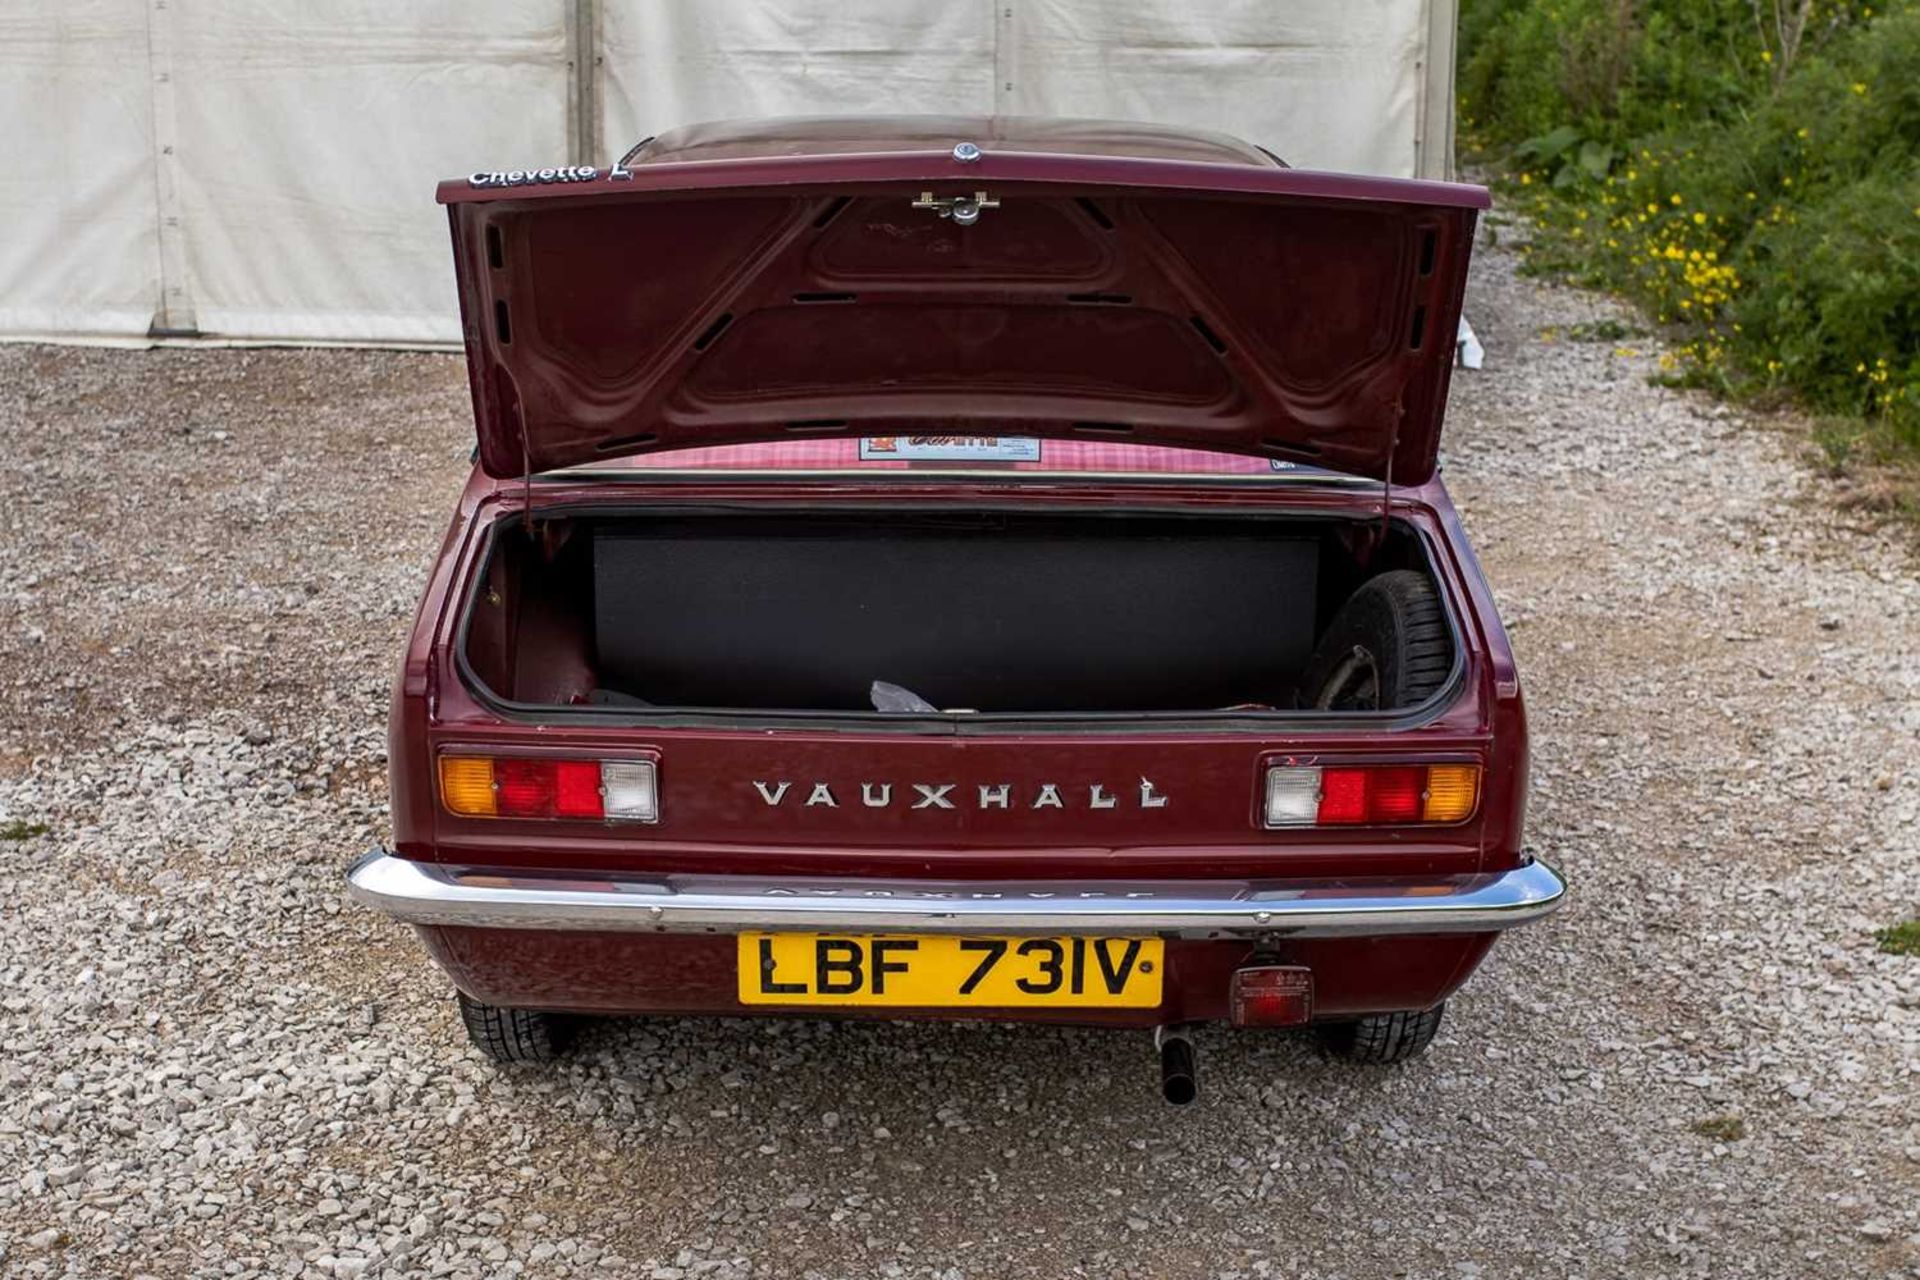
1049,278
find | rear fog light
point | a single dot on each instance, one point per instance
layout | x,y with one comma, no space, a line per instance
1271,995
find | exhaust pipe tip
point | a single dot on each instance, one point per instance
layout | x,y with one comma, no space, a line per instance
1179,1069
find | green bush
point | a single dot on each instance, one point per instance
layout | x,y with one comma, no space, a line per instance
1834,304
1748,171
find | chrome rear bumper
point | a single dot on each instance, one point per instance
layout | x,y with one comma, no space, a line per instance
430,894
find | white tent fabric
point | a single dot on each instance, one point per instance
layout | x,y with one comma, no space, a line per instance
310,145
265,171
1326,84
79,240
1333,84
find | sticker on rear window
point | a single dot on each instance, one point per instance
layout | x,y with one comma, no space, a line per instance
949,449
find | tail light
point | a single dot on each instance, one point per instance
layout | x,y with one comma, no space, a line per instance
1371,795
542,787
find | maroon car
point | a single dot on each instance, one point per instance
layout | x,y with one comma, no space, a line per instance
958,568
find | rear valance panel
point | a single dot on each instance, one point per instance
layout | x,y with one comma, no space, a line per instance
1308,318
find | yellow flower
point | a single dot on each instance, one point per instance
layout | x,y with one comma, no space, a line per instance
1859,88
1526,179
1675,198
1801,133
1700,219
1766,56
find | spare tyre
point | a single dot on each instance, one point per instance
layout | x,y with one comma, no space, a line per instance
1387,648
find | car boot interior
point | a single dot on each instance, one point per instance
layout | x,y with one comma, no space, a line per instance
882,611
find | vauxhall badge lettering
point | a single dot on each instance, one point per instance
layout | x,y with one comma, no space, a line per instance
951,795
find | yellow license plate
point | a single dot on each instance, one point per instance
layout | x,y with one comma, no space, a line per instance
939,971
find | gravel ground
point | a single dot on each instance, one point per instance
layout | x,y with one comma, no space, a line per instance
210,1066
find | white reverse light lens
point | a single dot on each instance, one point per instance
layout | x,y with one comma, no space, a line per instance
628,787
1293,797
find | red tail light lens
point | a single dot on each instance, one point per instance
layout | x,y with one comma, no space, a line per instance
1371,795
576,789
1343,796
1394,795
525,788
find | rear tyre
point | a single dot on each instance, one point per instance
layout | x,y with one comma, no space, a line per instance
1383,1037
512,1035
1388,647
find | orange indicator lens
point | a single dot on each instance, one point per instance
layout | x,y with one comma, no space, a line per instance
1452,792
466,786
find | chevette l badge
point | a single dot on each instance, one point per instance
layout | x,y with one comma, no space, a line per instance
949,795
544,177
